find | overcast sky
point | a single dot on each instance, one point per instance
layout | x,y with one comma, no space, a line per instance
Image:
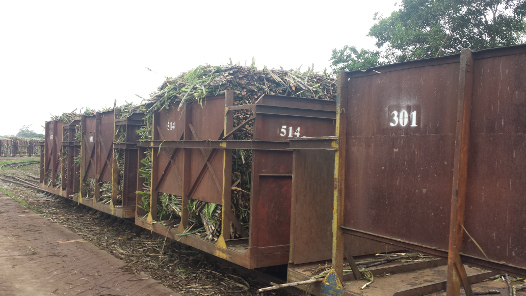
56,56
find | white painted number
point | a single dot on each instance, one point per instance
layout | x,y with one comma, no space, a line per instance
170,125
413,118
91,139
291,132
51,137
403,118
395,118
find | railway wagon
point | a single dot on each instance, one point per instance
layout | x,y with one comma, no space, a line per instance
59,167
108,162
196,153
70,155
52,161
429,156
6,148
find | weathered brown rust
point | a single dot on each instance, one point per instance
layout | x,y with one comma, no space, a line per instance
52,161
130,167
72,172
496,186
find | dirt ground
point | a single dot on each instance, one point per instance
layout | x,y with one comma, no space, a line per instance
178,267
40,257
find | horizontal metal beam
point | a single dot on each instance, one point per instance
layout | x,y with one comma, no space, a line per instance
324,143
126,145
298,112
228,144
490,264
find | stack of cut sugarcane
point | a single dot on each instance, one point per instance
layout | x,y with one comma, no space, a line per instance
67,117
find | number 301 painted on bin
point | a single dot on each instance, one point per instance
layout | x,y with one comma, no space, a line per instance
402,118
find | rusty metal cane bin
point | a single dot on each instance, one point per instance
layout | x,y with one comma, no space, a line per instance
71,158
430,158
106,184
125,164
192,159
52,173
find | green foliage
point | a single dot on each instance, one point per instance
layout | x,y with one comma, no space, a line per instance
145,171
25,132
429,28
170,206
350,59
4,162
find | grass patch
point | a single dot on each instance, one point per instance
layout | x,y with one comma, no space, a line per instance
3,162
24,203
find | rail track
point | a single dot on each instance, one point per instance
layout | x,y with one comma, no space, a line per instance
29,182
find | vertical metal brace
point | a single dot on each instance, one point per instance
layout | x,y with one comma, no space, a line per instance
456,274
152,215
83,148
186,171
339,178
97,158
114,166
54,155
226,198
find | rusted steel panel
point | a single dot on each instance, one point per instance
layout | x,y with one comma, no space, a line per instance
495,205
401,122
88,144
272,170
207,123
130,177
52,159
42,161
133,123
270,199
205,172
48,148
399,145
312,192
171,128
295,102
105,143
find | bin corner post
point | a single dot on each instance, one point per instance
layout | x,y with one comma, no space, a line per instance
114,166
55,154
339,177
83,148
152,215
226,198
98,140
456,274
